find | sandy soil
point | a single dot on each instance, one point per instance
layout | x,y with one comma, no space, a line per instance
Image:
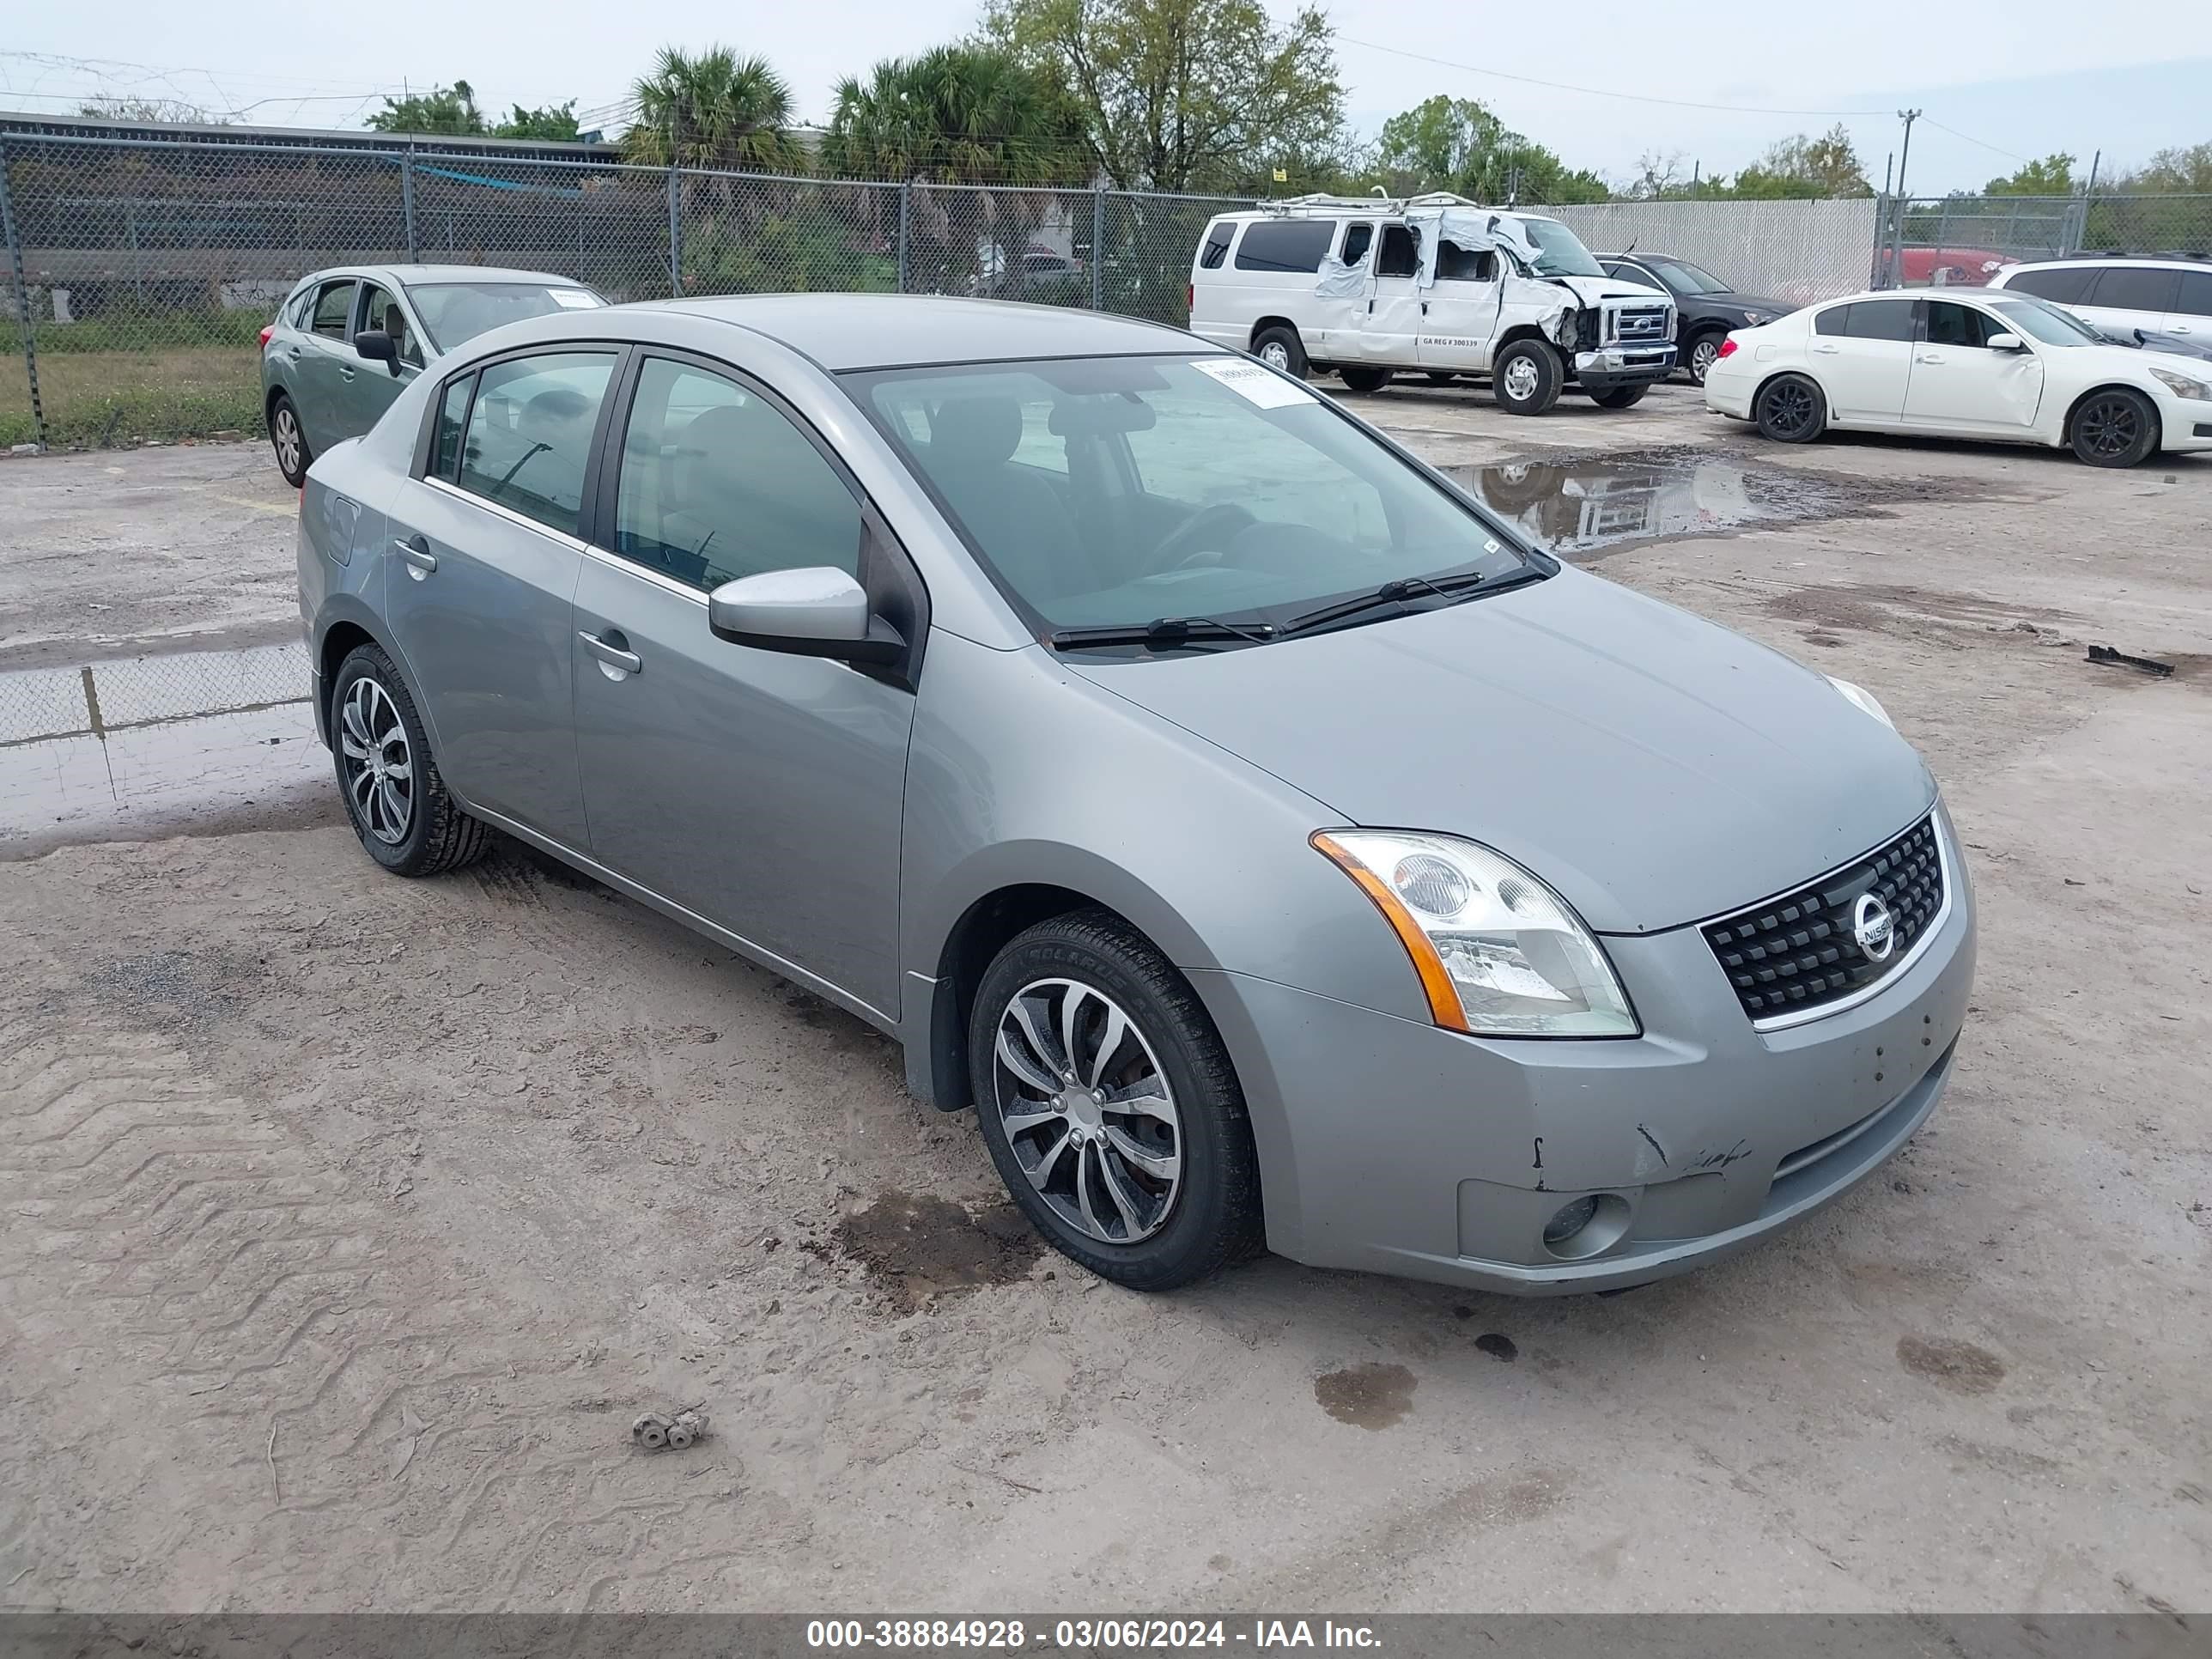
345,1223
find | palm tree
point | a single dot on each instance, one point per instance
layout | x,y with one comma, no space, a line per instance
957,115
716,110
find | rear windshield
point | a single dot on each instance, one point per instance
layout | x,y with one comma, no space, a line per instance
1113,491
455,312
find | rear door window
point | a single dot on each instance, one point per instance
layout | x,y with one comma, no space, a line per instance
1835,321
1401,252
529,438
1286,244
1880,319
333,313
2133,287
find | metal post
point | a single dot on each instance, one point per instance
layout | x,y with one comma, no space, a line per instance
675,233
1099,247
407,204
1907,116
906,220
22,302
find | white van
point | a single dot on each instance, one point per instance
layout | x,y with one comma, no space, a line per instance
1434,283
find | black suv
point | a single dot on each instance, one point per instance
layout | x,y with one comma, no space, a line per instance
1706,307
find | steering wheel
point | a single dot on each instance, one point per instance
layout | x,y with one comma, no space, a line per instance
1184,546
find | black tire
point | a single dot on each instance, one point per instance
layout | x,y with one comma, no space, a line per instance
2114,427
1534,392
287,435
1365,379
1702,352
1211,1216
1441,377
1620,397
436,834
1790,410
1284,338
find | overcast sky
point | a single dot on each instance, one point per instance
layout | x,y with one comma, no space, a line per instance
2016,79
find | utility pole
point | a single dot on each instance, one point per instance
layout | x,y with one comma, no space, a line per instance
1907,116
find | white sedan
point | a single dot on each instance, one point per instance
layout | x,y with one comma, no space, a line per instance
2004,366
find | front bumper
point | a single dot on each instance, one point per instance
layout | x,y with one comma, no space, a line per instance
1394,1146
1624,365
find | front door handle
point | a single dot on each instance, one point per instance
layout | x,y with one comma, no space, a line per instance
421,561
1929,357
613,655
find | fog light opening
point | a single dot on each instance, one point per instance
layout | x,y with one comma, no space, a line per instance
1586,1226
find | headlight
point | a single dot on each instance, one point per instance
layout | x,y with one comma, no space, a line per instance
1863,699
1499,953
1757,319
2181,384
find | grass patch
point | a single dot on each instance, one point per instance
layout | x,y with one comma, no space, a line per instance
138,331
107,398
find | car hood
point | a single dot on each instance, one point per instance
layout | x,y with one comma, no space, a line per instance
1741,302
1590,289
1653,768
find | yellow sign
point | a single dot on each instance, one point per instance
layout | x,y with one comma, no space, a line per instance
1282,177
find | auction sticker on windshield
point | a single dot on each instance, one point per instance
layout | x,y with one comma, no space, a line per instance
1253,383
575,299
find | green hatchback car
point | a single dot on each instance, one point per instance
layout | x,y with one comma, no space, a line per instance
347,341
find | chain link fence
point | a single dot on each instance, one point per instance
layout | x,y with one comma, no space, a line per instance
1795,251
139,273
1966,240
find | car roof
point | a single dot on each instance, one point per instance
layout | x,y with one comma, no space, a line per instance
419,274
903,331
2100,261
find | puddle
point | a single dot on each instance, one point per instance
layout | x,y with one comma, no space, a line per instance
1585,505
914,1248
199,743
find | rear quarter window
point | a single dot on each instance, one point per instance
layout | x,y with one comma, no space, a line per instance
1293,245
1219,235
2065,286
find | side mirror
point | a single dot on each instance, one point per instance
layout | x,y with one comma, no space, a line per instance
2007,342
819,611
378,347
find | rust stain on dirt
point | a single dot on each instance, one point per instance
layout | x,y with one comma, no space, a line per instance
1370,1396
916,1248
1954,1366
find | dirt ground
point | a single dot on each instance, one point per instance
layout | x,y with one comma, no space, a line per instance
345,1222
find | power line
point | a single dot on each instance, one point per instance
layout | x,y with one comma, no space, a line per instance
1994,150
1596,92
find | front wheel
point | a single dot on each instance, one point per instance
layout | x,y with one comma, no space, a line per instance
1526,378
394,795
2114,428
1109,1105
1365,379
1790,410
293,458
1620,397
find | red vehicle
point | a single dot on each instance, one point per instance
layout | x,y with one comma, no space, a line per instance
1950,267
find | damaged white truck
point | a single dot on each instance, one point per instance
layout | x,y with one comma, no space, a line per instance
1432,284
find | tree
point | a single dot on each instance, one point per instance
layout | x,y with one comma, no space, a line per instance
1806,169
2175,173
554,124
1184,94
962,114
2051,176
716,110
450,110
1458,144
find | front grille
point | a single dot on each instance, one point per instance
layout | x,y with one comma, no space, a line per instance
1800,952
1640,323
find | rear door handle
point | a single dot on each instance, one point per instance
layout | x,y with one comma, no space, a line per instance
613,655
1827,351
420,560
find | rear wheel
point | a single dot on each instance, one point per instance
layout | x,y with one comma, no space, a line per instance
2114,428
1279,347
1526,378
1620,397
1365,379
293,458
1790,410
394,796
1109,1105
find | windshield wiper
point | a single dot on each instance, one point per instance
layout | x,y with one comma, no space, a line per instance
1165,633
1391,592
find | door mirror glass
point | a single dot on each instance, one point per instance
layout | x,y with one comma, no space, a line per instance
2007,342
378,347
815,611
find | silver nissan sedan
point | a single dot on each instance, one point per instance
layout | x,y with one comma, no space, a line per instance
1269,845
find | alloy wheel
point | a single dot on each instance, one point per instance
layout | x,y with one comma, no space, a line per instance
288,438
380,765
1789,407
2109,426
1703,356
1088,1111
1276,354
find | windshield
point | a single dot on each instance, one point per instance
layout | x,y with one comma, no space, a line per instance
2046,323
455,312
1685,278
1560,252
1120,490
